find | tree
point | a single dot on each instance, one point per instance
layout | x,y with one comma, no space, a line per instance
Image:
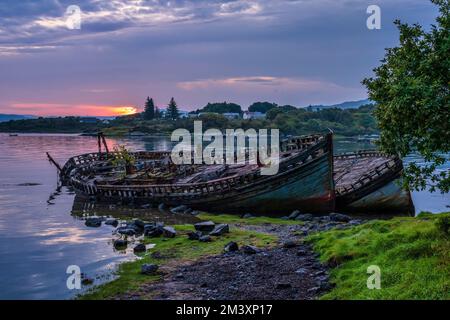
157,113
172,110
221,107
149,111
411,88
262,107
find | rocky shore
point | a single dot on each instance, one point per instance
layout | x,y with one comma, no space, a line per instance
286,268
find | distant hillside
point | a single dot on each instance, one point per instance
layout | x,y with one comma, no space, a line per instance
343,105
7,117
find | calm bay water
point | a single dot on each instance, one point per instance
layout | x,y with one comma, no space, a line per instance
41,233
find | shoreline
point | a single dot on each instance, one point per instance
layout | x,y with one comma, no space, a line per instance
295,259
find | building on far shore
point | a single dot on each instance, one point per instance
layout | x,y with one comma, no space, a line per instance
254,115
231,115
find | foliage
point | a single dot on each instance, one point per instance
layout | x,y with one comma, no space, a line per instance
411,88
443,225
172,110
149,110
122,157
221,107
262,107
413,257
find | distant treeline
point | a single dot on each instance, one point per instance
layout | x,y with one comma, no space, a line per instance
290,121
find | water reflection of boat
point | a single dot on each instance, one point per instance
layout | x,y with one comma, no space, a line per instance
305,181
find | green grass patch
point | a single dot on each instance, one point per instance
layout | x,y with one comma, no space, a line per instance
413,255
173,250
235,219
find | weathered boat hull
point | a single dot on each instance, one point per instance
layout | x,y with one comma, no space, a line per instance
308,189
390,198
377,190
304,182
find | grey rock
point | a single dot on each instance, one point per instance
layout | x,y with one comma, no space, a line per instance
339,217
169,232
206,226
301,271
154,232
220,229
289,244
231,246
179,209
304,217
139,224
120,244
294,214
195,212
149,269
205,238
112,222
94,222
247,216
194,235
162,206
139,248
126,231
249,249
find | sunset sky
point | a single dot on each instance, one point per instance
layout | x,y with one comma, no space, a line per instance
296,52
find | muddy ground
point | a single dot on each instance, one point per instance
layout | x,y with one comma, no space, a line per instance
285,272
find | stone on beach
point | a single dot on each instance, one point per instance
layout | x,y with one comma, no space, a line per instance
112,222
126,231
139,248
169,232
249,249
231,246
149,269
339,217
93,222
179,209
206,226
154,231
304,217
289,244
120,243
294,214
220,229
194,235
205,238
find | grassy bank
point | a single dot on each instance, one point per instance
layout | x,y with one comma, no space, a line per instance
172,251
234,219
413,255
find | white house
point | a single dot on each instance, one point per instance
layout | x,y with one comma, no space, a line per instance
231,115
254,115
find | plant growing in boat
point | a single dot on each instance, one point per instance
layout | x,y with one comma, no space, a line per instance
122,157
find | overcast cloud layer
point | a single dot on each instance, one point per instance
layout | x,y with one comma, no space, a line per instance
296,52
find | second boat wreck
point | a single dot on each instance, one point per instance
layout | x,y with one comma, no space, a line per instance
310,179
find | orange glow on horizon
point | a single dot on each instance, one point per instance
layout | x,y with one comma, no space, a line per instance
55,109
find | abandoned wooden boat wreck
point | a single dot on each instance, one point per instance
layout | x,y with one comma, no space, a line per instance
368,182
309,179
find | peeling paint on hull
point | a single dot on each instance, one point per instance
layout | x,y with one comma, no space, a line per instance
389,198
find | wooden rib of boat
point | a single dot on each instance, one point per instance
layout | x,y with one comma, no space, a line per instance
309,179
304,180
